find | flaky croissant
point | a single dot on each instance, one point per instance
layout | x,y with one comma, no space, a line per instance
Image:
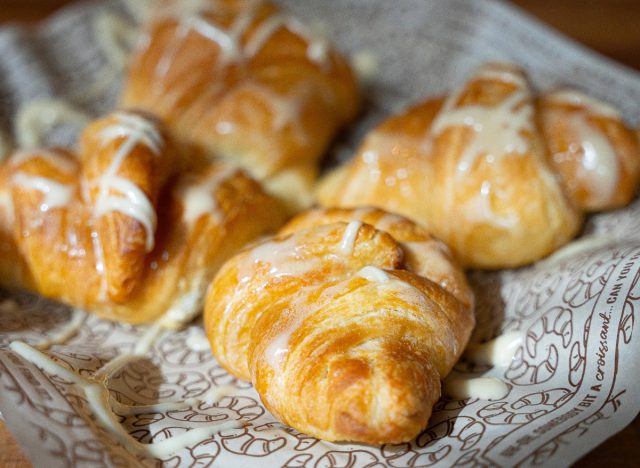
243,81
502,179
130,229
345,322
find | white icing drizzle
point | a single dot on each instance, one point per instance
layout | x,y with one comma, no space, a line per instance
478,209
483,388
36,119
190,17
200,199
131,200
129,410
187,306
56,195
278,347
362,213
65,333
34,356
263,33
365,63
497,129
599,162
388,220
55,159
497,352
98,253
216,394
599,165
102,405
227,40
349,238
500,72
286,109
141,10
317,48
591,104
198,343
6,204
373,274
148,339
283,258
116,36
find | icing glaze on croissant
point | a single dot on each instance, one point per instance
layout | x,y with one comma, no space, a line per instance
345,322
244,81
595,155
478,168
129,229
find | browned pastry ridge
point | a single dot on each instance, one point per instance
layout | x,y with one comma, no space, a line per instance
503,179
244,81
131,229
346,322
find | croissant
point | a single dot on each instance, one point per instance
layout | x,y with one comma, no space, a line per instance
243,81
503,179
345,322
129,228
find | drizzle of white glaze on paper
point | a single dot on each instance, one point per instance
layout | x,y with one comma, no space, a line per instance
102,405
497,352
65,333
483,388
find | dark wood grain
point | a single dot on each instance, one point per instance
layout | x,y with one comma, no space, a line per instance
611,27
28,11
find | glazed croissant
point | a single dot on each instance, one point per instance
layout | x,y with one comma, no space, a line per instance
243,81
130,229
502,179
345,322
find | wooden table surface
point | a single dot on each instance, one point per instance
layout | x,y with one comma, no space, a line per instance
612,27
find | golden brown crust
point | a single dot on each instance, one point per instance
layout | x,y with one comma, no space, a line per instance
344,336
474,168
243,81
90,247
